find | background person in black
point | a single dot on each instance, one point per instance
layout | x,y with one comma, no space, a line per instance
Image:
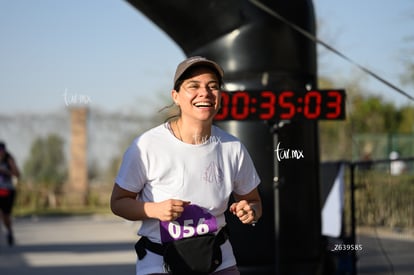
8,170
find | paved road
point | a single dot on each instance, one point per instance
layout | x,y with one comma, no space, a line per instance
75,245
386,255
104,246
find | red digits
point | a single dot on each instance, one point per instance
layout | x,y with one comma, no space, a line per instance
224,110
334,105
290,106
308,111
243,113
269,105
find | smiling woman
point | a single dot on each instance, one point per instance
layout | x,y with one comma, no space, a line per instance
198,96
183,173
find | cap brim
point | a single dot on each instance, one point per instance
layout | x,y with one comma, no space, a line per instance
196,61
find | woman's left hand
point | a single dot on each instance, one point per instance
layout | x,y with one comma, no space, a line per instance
244,211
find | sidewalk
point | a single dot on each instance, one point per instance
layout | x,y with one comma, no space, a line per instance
385,251
386,233
70,245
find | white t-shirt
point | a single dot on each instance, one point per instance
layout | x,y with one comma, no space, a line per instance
159,167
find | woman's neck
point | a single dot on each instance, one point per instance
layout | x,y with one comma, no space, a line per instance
192,133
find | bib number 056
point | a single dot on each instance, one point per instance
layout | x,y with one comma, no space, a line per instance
189,228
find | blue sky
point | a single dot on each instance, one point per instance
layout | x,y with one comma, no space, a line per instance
106,54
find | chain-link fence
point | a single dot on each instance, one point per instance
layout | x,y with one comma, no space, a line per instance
378,194
367,147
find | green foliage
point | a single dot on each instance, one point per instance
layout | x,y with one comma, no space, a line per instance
46,163
406,125
366,115
373,128
371,114
385,200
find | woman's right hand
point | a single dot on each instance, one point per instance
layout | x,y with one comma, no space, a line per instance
170,209
125,204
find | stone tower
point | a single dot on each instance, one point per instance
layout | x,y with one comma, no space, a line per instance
77,187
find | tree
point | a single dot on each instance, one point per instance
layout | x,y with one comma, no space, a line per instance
367,115
407,120
46,163
372,115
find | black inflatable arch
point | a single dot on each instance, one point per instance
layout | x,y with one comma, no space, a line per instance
252,46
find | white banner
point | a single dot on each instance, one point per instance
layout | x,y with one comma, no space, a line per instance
332,210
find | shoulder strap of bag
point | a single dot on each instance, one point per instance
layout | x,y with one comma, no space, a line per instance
223,235
144,243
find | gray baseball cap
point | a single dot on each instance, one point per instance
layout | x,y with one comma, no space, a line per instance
196,60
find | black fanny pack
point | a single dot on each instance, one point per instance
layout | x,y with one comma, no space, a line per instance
198,255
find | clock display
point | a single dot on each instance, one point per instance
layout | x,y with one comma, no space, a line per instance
282,105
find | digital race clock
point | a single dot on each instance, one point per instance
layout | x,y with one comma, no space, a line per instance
282,105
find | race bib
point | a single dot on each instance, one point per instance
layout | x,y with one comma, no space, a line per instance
194,221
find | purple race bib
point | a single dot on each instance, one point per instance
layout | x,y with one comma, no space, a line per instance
194,221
